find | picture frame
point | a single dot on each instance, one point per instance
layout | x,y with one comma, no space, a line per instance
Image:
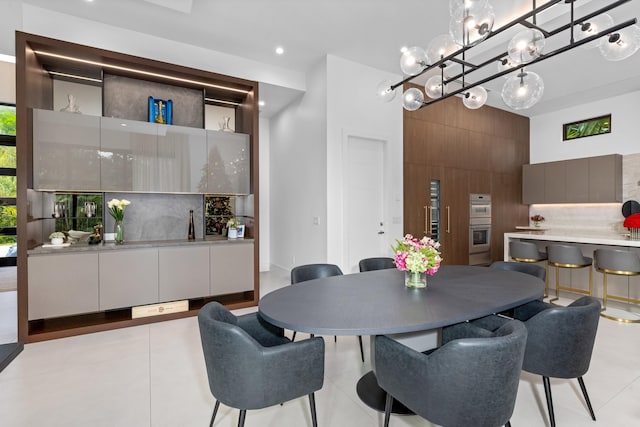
240,229
160,111
584,128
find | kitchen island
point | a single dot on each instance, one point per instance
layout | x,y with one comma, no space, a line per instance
588,242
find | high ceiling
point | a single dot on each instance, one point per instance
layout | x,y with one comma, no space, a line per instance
370,32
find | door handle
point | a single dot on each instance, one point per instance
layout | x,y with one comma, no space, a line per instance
426,221
380,232
448,219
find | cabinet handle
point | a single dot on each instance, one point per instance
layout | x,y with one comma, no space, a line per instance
426,221
448,220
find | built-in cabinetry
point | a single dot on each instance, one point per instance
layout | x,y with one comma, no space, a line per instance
75,152
462,151
78,282
62,285
66,151
587,180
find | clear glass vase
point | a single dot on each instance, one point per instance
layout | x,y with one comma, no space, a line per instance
415,279
118,231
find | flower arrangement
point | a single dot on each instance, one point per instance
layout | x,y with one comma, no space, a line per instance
116,208
417,256
233,223
537,218
57,235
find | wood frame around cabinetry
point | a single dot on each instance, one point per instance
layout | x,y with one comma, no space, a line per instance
34,89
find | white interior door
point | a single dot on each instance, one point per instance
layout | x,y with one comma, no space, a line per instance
364,222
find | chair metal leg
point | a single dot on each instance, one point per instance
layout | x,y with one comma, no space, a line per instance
508,424
361,349
215,411
312,404
335,338
243,414
547,393
387,409
293,338
586,397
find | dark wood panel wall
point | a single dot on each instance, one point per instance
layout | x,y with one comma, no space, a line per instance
469,151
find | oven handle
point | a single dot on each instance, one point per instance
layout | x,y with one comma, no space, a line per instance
448,219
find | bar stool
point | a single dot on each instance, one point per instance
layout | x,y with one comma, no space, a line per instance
620,263
564,256
528,252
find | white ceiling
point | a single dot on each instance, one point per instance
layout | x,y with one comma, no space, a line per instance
370,32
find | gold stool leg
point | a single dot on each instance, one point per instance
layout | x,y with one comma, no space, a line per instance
604,286
590,280
546,279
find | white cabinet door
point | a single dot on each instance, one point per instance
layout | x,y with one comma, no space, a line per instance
62,285
184,272
231,268
182,159
66,151
229,161
128,277
129,155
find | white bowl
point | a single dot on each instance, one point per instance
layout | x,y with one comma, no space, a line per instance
79,235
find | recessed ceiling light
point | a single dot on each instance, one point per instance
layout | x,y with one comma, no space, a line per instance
279,50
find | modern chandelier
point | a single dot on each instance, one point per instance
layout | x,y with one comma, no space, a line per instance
471,24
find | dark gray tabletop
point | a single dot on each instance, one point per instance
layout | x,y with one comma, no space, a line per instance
377,302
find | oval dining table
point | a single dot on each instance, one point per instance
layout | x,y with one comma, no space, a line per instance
378,303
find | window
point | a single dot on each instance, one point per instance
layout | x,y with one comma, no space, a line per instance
8,212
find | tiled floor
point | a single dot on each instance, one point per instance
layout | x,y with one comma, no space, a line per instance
154,375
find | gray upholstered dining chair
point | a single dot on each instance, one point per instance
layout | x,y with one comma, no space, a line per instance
559,343
465,382
377,263
528,253
303,273
252,365
531,269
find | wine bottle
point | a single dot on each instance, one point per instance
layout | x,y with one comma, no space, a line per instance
192,229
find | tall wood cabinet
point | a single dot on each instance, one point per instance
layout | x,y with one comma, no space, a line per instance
463,151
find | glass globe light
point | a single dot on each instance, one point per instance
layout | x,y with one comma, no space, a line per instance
459,6
591,27
526,46
384,91
412,99
440,47
523,90
413,61
621,44
435,88
475,97
468,27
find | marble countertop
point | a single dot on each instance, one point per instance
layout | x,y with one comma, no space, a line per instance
107,246
571,235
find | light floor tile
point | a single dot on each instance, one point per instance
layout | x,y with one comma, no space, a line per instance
154,375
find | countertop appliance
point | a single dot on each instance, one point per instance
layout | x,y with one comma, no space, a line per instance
479,229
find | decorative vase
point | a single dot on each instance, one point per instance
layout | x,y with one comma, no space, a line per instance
118,231
634,233
233,233
536,224
415,279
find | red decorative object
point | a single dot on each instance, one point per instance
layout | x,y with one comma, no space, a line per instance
632,221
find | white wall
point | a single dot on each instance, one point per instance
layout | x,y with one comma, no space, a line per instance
298,169
7,82
546,130
354,109
265,194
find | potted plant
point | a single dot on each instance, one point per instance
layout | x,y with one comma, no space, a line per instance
537,219
232,228
57,238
